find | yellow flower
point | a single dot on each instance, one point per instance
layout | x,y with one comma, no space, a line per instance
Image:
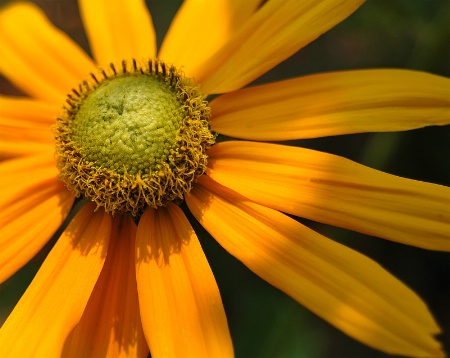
111,287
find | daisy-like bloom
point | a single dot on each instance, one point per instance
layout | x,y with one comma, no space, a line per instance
134,135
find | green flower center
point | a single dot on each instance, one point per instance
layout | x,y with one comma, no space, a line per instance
135,139
128,124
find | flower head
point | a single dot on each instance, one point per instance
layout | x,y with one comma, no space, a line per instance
133,135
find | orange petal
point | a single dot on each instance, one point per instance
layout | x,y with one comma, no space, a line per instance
275,32
25,126
111,324
334,103
20,176
180,303
27,109
336,191
29,222
340,285
201,28
37,57
55,300
118,30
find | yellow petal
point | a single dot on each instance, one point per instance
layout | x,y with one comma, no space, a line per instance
25,126
200,28
27,109
334,103
38,58
275,32
118,30
111,324
181,308
13,148
55,300
24,230
340,285
20,174
336,191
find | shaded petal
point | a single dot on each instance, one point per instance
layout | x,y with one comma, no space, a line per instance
334,103
118,30
180,303
275,32
200,28
111,324
29,221
336,191
340,285
25,126
55,300
37,57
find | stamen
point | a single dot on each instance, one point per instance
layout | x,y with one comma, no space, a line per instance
94,78
75,92
70,103
150,66
71,97
86,86
113,68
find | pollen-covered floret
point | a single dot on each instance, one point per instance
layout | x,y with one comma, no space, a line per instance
135,138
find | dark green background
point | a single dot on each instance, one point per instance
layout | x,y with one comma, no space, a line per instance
264,322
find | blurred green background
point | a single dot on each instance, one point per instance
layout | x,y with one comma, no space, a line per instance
264,322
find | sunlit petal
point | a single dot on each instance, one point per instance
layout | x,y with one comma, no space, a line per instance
334,103
181,308
336,191
23,228
55,300
37,57
118,30
340,285
27,109
25,126
25,174
200,28
275,32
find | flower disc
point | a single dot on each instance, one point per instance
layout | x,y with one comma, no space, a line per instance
135,138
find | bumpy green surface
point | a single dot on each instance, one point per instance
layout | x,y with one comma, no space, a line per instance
128,124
